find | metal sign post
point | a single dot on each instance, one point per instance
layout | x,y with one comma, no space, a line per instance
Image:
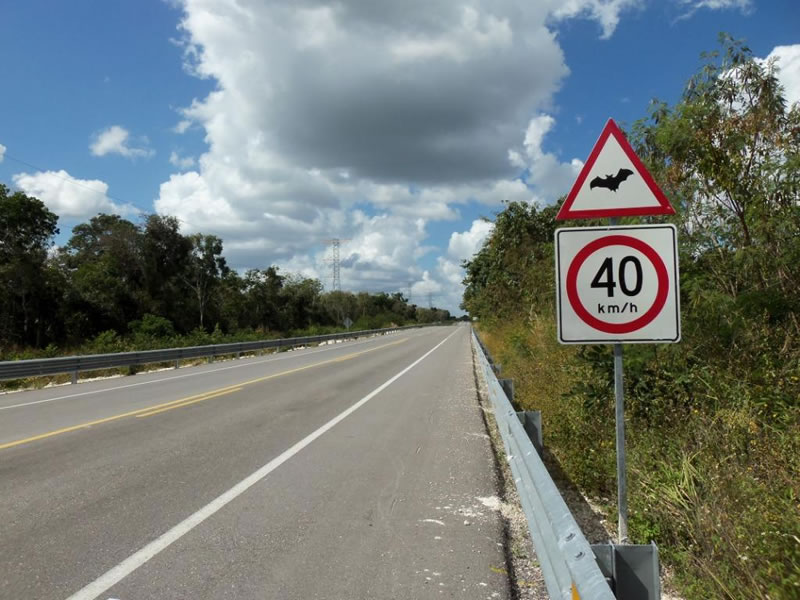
622,479
619,417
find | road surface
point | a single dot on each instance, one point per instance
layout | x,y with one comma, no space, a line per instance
360,470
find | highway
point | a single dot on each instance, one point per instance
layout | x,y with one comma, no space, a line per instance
356,470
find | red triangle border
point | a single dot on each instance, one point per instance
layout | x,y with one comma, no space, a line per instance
664,207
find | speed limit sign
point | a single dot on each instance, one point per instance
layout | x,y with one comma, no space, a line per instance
617,284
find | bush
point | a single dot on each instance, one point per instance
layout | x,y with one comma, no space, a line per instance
152,326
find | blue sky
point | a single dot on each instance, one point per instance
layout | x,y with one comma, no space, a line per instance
278,125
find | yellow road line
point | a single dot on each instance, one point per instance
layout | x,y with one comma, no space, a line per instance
158,408
164,406
207,397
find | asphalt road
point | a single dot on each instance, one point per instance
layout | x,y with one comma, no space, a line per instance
360,470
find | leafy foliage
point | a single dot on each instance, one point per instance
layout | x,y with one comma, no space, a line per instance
117,285
26,284
713,422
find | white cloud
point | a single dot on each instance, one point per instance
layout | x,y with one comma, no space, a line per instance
182,162
475,34
368,121
787,59
182,126
116,140
68,196
547,175
463,245
692,6
2,152
605,12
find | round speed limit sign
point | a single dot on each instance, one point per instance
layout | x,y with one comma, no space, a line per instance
617,284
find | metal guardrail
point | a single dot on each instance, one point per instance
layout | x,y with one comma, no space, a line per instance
566,557
18,369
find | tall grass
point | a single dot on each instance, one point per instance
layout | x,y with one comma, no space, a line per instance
712,479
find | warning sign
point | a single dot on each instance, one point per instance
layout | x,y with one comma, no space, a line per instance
614,183
617,284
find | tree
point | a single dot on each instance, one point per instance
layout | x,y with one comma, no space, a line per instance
300,301
26,230
262,289
729,155
204,270
512,270
165,256
103,262
338,306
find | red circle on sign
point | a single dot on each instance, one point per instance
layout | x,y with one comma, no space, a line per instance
617,240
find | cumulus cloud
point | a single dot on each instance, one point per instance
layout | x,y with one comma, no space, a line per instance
365,120
787,60
116,140
548,176
383,252
2,152
464,244
68,196
296,141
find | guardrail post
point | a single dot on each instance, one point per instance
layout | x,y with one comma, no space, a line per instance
74,377
632,570
532,423
177,363
508,388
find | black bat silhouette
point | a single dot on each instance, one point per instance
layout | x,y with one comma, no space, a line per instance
611,182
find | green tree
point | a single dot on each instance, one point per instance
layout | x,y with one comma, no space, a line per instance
300,302
729,155
337,306
165,256
511,271
262,289
204,270
26,231
103,263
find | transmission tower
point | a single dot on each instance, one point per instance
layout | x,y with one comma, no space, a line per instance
335,263
430,300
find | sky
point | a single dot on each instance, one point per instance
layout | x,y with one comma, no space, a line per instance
395,126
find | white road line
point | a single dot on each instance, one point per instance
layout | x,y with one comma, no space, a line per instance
137,559
122,387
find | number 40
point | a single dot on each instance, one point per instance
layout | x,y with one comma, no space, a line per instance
607,270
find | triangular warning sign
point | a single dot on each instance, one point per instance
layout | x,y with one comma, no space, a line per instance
614,183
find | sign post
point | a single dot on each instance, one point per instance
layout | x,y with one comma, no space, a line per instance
619,420
617,284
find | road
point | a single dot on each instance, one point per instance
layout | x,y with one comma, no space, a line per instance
360,470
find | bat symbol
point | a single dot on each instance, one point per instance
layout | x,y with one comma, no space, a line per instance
611,182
